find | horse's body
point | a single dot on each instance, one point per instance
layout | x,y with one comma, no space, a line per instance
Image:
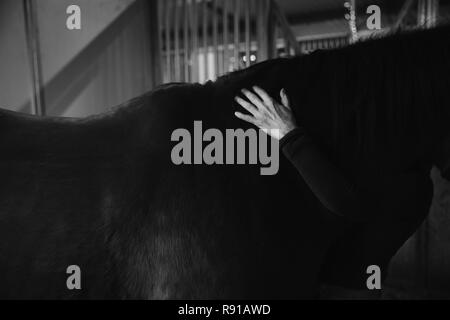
102,193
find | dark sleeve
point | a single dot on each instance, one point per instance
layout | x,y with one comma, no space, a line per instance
324,179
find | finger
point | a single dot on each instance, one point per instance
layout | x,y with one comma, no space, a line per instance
254,99
247,106
284,98
246,118
263,95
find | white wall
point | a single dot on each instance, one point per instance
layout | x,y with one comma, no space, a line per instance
85,71
58,44
14,72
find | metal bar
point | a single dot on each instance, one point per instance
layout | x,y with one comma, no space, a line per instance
236,30
271,32
205,39
186,39
167,38
153,10
176,33
160,4
262,35
194,25
427,13
215,39
433,13
225,36
247,31
421,13
34,56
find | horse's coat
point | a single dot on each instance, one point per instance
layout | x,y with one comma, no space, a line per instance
102,192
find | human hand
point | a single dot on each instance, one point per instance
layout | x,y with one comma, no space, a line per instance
266,113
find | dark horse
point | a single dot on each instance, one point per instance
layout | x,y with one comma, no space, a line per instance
102,193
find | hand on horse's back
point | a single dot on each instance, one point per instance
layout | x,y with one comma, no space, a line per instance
274,118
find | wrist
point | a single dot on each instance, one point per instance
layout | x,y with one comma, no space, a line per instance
287,130
295,133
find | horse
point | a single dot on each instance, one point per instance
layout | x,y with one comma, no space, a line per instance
102,193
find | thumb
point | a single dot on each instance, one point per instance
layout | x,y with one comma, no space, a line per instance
284,98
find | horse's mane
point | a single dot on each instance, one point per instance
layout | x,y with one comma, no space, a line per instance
396,85
374,90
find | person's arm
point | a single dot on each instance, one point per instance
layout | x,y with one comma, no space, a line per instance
324,179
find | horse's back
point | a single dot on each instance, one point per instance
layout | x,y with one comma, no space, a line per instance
55,175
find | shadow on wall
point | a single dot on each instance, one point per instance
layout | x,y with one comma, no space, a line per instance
114,67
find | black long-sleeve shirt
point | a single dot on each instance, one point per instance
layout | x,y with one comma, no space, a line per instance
387,196
329,185
380,218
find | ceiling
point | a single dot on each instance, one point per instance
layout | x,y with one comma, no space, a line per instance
299,11
305,7
292,7
318,17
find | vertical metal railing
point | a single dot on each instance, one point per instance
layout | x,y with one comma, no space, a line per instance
34,55
427,13
203,39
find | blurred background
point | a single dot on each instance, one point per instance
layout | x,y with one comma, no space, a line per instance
125,48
